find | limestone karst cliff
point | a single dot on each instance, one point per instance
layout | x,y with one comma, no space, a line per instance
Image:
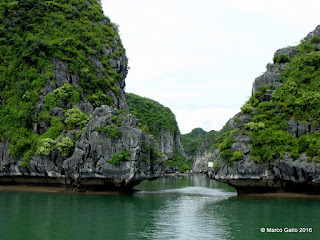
161,123
64,115
273,144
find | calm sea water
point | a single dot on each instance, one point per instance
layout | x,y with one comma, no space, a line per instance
169,208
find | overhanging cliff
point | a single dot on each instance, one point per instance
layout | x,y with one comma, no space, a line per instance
273,144
64,115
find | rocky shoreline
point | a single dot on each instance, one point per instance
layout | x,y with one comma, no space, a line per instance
50,189
64,189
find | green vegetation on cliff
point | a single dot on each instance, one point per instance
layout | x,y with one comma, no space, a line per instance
36,34
152,114
289,121
191,141
157,120
297,100
195,134
197,141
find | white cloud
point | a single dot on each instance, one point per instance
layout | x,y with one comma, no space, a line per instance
192,56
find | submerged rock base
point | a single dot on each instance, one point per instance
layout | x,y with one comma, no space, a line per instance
280,176
250,186
69,185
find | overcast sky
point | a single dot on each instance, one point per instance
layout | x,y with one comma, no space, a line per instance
200,57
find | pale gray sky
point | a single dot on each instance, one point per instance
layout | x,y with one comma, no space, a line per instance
200,57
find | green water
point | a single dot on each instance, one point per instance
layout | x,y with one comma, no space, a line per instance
169,208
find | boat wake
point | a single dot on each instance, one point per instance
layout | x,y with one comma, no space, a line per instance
192,191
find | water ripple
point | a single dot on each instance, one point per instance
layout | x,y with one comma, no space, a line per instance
192,191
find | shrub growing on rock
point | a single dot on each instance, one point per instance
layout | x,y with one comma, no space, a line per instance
282,58
110,130
120,157
75,118
46,146
66,146
247,108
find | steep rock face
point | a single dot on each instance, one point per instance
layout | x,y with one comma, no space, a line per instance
272,144
168,142
95,149
274,70
285,175
90,163
200,163
63,110
248,176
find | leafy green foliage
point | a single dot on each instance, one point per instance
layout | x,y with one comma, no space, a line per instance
255,126
315,39
99,98
155,119
55,129
230,156
66,146
194,134
67,93
228,140
192,147
197,141
215,165
227,155
300,95
143,128
149,151
32,34
75,118
154,153
298,99
282,58
179,163
247,108
310,144
110,130
46,146
152,114
123,156
191,141
237,155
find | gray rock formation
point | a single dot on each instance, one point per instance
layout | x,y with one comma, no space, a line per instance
89,164
273,72
315,33
161,123
90,146
200,162
284,173
167,142
299,128
247,176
